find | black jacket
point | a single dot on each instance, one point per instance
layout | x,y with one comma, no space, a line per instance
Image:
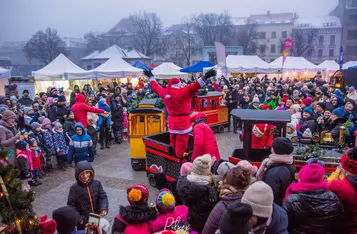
117,113
232,99
279,177
133,215
68,127
308,123
57,112
334,127
279,221
315,211
81,194
25,101
162,182
200,200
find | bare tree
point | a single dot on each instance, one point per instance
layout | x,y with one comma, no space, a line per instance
213,27
247,37
45,46
304,41
146,32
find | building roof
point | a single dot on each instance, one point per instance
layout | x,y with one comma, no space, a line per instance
240,20
268,18
318,22
124,26
115,50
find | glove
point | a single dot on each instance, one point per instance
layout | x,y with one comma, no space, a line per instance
148,73
209,74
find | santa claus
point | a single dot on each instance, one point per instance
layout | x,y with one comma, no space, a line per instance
178,105
263,134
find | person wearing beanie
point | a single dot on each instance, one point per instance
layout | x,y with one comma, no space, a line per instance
278,169
232,188
23,159
310,207
255,103
25,100
196,191
66,218
290,131
168,213
235,219
135,217
203,137
336,120
61,146
268,217
295,114
352,94
87,195
307,121
222,170
306,102
201,170
48,145
319,109
8,134
59,110
346,190
178,104
246,165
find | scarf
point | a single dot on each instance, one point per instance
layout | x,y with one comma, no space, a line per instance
304,187
199,179
229,189
273,159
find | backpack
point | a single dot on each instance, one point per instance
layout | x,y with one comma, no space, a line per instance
142,228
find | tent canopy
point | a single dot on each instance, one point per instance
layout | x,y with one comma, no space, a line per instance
298,64
198,67
115,67
329,65
249,63
140,65
168,70
4,73
354,67
61,68
349,64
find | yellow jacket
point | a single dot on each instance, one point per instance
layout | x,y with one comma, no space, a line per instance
338,174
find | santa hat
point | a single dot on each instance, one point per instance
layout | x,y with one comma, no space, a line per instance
173,83
265,107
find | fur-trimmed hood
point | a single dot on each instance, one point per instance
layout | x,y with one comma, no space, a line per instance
137,214
159,223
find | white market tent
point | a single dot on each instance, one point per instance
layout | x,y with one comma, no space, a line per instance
329,65
61,68
168,70
295,64
4,73
249,64
349,64
115,67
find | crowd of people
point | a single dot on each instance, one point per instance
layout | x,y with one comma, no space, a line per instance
211,195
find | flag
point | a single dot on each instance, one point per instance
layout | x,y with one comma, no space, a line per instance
220,54
288,44
341,58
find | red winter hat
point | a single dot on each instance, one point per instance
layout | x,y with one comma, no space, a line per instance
47,226
173,83
312,173
284,99
349,161
265,107
307,101
137,194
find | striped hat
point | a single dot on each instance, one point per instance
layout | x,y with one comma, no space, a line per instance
165,201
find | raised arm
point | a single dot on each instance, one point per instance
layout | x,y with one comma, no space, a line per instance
156,88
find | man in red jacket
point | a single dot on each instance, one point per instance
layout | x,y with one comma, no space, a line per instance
203,137
346,190
178,105
80,110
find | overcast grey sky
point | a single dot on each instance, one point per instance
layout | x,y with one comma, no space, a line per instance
19,19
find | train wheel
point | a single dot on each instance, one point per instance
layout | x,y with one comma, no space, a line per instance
221,129
152,181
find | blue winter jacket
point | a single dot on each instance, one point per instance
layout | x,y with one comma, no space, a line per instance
80,147
102,105
279,221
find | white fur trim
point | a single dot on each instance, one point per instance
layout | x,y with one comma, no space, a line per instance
167,96
152,79
176,86
180,131
201,82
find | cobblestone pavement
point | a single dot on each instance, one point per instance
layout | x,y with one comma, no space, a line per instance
113,169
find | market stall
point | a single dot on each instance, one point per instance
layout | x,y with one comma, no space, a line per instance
349,64
249,64
166,71
330,66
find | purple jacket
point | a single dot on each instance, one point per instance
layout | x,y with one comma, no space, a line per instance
212,223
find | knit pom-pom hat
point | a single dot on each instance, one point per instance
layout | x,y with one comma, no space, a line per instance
165,201
137,194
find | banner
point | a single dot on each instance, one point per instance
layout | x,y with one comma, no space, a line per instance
220,54
288,44
341,58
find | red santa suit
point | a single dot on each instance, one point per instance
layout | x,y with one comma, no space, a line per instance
178,105
262,135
